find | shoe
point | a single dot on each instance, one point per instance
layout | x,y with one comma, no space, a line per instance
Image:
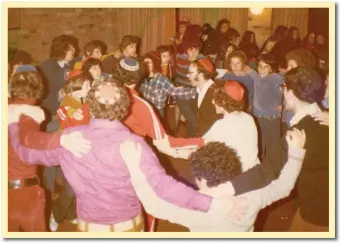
74,221
53,224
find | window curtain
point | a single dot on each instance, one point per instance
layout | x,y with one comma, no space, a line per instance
291,17
155,26
238,17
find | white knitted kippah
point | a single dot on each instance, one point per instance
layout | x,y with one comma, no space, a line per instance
129,64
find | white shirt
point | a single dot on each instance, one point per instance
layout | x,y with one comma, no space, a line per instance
62,63
203,91
238,131
217,219
305,111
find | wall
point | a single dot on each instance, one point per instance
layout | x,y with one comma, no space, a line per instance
236,16
39,26
261,25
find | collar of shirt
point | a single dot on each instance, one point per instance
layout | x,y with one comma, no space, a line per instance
104,123
203,91
62,63
305,111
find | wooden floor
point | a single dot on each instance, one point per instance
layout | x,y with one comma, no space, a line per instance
275,218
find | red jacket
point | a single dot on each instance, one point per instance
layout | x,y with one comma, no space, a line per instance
31,137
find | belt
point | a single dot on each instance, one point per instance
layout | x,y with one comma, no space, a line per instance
272,117
134,225
20,183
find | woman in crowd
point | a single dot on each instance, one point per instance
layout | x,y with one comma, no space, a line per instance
249,46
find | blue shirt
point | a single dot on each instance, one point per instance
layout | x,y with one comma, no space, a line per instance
247,81
267,94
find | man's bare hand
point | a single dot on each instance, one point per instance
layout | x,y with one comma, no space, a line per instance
322,118
296,138
131,152
75,143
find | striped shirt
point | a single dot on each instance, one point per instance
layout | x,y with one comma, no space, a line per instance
182,66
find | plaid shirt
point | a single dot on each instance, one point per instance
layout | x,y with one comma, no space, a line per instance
159,87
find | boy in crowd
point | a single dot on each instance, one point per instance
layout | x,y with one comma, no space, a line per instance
94,49
187,53
128,48
156,87
236,62
267,102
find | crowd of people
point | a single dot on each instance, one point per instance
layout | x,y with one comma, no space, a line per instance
256,124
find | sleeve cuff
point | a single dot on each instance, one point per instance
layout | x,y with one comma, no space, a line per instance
296,153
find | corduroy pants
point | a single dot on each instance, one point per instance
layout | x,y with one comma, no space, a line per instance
26,209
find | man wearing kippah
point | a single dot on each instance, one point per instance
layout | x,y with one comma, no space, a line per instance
106,200
201,74
303,90
212,165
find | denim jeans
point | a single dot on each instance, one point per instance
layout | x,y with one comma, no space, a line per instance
188,109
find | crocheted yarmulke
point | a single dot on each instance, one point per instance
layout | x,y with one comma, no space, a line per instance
129,64
25,68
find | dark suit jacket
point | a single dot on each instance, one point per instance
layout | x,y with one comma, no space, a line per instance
312,184
206,113
55,78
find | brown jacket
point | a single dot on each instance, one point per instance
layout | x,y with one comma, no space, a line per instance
206,113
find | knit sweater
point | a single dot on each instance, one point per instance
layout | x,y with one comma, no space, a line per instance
182,66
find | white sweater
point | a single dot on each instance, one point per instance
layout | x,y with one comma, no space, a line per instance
216,219
238,131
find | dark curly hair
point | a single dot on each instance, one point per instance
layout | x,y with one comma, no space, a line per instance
303,57
216,163
128,40
118,110
94,44
269,59
164,48
61,45
90,62
221,98
27,85
306,84
233,34
222,22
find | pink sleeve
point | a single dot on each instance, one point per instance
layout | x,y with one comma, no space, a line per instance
169,189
